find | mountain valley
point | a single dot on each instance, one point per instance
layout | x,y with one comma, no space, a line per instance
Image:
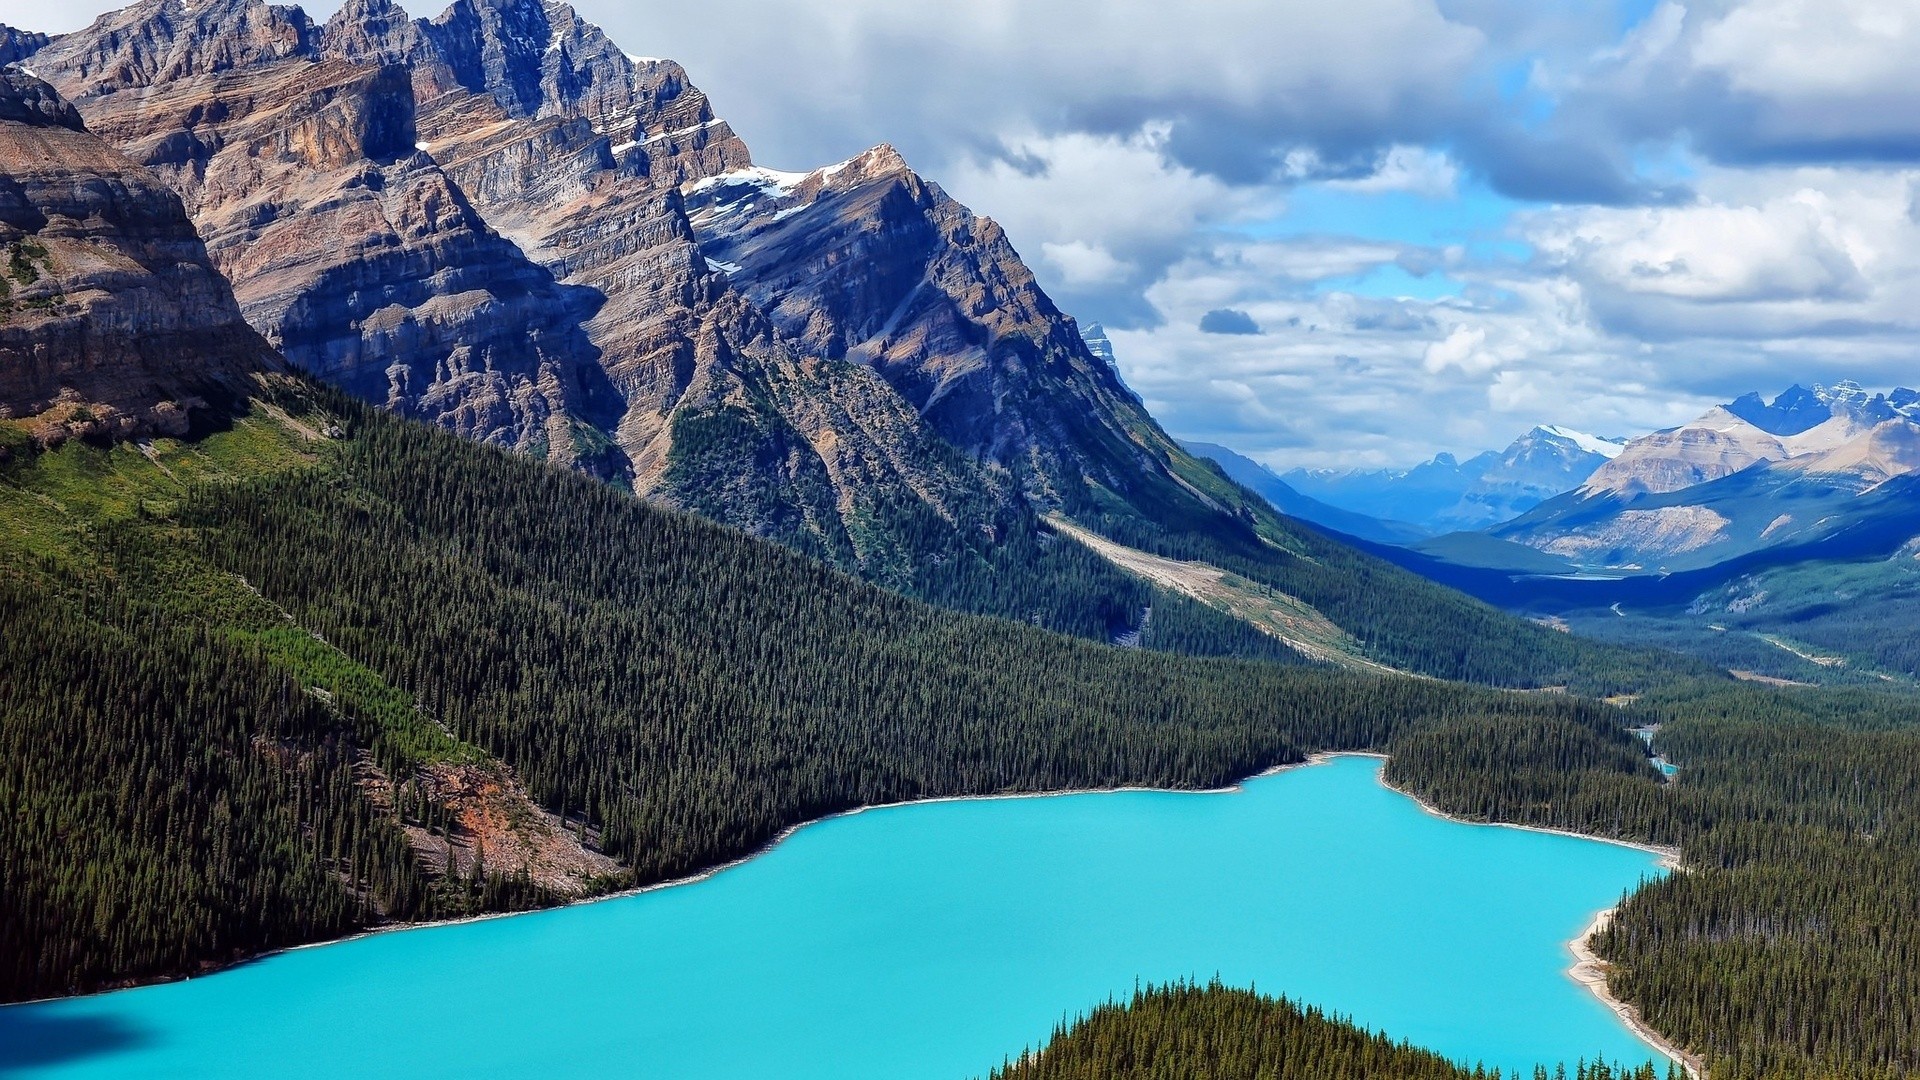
442,474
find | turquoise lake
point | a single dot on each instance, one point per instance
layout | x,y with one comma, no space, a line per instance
927,941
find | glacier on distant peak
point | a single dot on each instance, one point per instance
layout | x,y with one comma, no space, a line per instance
1592,444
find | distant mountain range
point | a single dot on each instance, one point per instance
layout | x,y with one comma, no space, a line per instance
1288,500
1446,495
1747,476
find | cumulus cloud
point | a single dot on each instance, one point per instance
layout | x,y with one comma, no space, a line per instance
1465,347
1775,255
1417,169
1760,81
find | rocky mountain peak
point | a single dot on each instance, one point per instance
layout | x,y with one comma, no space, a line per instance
159,41
113,321
372,31
27,100
17,45
1094,336
1793,411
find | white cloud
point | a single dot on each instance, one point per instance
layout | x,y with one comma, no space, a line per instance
1464,348
1814,49
1081,263
1827,259
1417,169
1792,247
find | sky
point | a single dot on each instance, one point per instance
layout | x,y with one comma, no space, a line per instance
1357,234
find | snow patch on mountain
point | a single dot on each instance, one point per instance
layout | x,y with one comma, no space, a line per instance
1592,444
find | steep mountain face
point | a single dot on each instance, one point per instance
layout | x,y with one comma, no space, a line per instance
1745,477
537,240
350,249
866,262
113,322
1447,495
17,45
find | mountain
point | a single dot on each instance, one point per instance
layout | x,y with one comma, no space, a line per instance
112,320
1729,438
537,241
1747,476
1262,481
1448,495
523,217
295,666
17,45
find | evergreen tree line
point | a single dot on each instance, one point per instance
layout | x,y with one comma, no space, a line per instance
1790,945
693,692
983,553
689,692
1187,1031
168,801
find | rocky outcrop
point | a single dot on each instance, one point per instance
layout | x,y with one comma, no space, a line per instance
350,249
17,45
113,322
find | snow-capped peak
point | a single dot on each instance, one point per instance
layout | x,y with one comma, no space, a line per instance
1592,444
1845,390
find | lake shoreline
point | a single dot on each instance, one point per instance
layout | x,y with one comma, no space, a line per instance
1588,969
690,879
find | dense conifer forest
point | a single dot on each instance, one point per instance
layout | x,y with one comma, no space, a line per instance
263,622
1790,946
693,692
214,648
1191,1032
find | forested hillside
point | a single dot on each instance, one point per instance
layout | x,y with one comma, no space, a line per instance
1791,944
1215,1032
378,603
292,636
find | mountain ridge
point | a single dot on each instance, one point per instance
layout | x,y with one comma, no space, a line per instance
1445,494
1745,476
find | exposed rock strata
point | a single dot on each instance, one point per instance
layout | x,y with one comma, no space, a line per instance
349,248
113,322
17,45
496,220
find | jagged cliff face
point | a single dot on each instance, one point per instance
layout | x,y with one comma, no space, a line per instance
113,322
498,221
17,45
349,248
865,261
